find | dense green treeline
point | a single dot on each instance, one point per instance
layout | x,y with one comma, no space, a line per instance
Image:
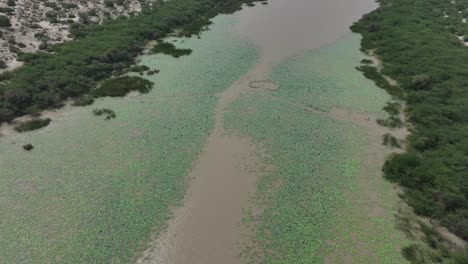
417,42
99,51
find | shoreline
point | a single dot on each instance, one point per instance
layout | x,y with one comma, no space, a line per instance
424,197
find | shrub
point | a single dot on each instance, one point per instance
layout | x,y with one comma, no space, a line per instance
139,68
389,140
421,82
7,10
17,97
6,115
392,121
11,2
120,86
152,72
170,49
110,114
33,124
3,64
28,147
4,22
83,101
109,3
68,5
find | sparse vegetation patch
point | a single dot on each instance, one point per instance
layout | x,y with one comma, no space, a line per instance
120,86
108,113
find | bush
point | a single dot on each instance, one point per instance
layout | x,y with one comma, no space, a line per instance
28,147
109,3
11,2
110,114
421,82
17,97
170,49
120,86
7,10
6,115
392,122
389,140
139,68
3,64
83,101
33,124
4,22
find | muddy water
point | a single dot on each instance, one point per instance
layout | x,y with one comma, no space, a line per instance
207,228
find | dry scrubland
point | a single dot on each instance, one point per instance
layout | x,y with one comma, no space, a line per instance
37,24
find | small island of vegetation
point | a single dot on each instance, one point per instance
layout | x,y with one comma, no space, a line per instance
170,49
120,86
33,124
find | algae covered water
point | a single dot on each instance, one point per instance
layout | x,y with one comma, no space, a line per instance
99,191
93,190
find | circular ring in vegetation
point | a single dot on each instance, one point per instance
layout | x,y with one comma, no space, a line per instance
266,84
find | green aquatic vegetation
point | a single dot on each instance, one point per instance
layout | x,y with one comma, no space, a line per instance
313,73
298,214
312,204
33,124
419,50
96,192
170,49
120,86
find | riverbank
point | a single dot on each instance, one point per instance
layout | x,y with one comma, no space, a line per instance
405,35
98,52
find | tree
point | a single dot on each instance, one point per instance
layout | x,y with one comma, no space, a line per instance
17,97
421,82
6,115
